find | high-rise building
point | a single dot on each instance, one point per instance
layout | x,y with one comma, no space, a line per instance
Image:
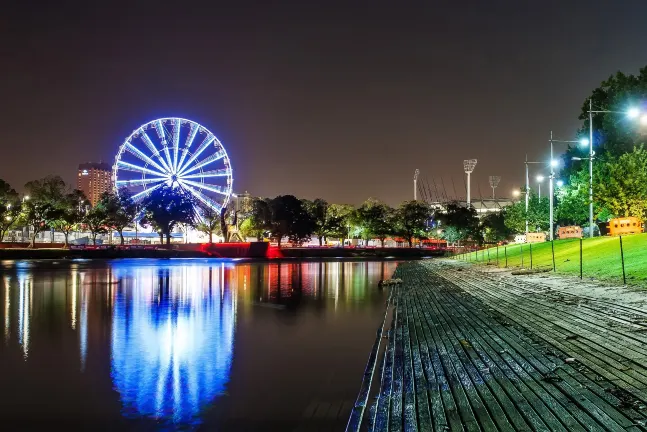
93,180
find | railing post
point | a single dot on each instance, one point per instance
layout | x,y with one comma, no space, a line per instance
530,256
552,246
497,255
580,258
521,255
488,256
505,252
622,258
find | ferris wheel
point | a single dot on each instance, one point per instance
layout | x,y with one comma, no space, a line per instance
175,152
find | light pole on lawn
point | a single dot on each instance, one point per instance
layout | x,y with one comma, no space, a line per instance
553,164
632,113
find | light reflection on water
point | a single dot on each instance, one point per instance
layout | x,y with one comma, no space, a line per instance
165,329
172,339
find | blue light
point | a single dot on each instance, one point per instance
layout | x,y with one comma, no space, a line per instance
172,341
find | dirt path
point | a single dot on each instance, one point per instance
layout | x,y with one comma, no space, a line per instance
477,350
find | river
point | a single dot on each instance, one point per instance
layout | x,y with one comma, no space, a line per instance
186,344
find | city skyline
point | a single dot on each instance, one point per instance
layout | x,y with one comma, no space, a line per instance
348,100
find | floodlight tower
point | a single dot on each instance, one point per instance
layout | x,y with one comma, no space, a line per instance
468,166
494,182
416,173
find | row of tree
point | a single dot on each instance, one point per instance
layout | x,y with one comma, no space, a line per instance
51,204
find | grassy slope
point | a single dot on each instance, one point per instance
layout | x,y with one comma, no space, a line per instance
600,256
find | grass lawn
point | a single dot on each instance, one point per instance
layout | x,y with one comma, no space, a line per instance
600,257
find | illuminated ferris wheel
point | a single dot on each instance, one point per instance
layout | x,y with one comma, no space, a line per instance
175,152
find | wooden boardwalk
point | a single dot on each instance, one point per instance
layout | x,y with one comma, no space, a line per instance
473,351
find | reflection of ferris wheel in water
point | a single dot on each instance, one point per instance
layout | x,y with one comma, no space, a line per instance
176,152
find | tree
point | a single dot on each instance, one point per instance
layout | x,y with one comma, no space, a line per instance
260,220
120,208
573,200
412,218
613,135
493,227
96,221
9,208
376,219
538,215
70,213
463,219
43,206
340,218
165,208
328,219
282,216
318,211
208,221
514,217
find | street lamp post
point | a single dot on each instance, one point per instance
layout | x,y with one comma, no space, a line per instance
553,164
416,173
632,113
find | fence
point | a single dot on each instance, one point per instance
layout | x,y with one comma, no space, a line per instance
606,258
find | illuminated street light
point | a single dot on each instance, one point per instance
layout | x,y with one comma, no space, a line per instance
584,142
633,113
560,183
516,193
554,163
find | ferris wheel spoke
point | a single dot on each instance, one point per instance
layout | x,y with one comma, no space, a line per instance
153,149
206,161
189,140
201,197
145,193
176,142
132,167
207,141
140,182
159,127
211,188
134,150
213,173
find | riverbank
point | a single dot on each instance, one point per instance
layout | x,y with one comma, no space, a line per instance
479,348
242,253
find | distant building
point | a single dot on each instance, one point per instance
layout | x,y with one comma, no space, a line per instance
94,179
243,202
482,206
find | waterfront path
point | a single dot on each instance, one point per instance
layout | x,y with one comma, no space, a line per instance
472,350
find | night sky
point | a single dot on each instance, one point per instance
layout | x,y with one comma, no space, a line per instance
333,99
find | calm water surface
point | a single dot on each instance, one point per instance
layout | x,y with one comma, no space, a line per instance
168,344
